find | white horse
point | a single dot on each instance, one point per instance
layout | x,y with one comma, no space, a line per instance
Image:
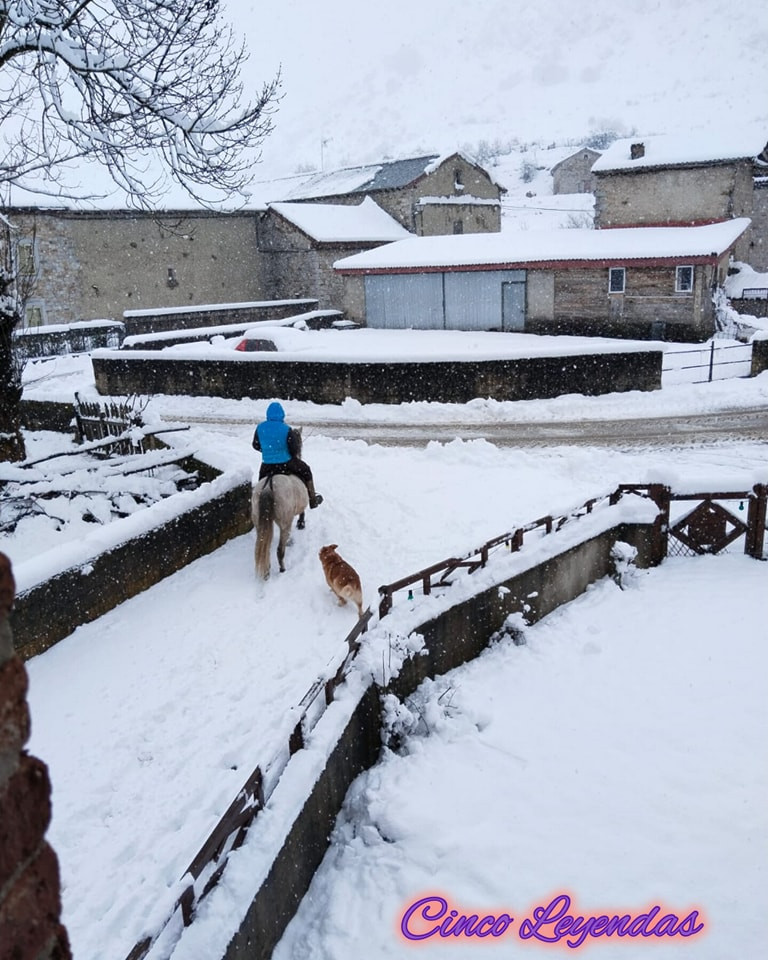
276,499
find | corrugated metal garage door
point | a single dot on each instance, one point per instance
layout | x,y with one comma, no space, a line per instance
404,300
461,300
473,299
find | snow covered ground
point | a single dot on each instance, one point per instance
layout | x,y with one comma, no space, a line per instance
151,717
617,757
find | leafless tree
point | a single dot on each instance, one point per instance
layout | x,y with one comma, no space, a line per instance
150,89
126,82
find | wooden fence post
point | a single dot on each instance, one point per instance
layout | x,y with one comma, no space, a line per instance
756,516
661,496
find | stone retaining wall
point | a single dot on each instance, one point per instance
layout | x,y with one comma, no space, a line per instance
454,381
759,356
46,613
180,318
57,340
750,307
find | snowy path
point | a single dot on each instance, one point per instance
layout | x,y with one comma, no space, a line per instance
649,431
151,717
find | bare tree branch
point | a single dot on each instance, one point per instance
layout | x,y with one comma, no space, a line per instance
126,82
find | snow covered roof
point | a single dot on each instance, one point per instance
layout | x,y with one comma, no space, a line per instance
341,223
523,247
572,155
375,176
679,150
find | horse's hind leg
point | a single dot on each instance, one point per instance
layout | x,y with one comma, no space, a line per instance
281,548
300,524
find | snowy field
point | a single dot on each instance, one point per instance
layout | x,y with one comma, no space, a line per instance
173,697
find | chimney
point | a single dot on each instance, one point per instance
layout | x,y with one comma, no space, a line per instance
636,151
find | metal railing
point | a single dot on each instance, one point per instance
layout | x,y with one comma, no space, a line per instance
711,360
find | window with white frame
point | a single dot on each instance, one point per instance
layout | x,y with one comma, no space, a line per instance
617,277
684,280
26,258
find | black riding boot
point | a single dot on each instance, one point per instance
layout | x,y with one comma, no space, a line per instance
314,498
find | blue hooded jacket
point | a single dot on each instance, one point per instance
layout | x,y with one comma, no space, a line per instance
273,435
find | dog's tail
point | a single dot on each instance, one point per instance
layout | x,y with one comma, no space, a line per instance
264,530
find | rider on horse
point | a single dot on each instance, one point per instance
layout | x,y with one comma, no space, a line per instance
280,448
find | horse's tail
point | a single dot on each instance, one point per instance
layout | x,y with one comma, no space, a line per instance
264,530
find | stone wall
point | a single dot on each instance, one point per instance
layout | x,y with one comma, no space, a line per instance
253,376
160,320
759,356
67,339
475,216
656,195
757,255
293,265
30,900
51,610
577,302
95,265
683,195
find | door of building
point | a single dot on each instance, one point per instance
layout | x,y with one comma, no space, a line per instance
513,305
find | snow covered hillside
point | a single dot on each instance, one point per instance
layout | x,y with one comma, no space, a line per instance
362,83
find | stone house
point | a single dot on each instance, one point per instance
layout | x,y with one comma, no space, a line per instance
637,282
95,264
573,174
429,196
686,180
298,243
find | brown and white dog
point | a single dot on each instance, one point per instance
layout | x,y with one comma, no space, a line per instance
341,577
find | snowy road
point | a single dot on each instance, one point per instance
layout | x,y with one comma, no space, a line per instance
650,431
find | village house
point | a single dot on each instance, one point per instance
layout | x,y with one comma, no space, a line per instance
573,174
640,282
686,180
429,196
95,264
298,243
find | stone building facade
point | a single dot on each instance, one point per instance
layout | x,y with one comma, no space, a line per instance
429,196
299,243
574,173
84,265
628,283
666,180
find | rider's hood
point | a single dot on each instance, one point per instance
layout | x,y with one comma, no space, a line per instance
275,411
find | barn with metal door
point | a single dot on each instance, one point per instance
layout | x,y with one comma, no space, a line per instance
446,300
636,282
